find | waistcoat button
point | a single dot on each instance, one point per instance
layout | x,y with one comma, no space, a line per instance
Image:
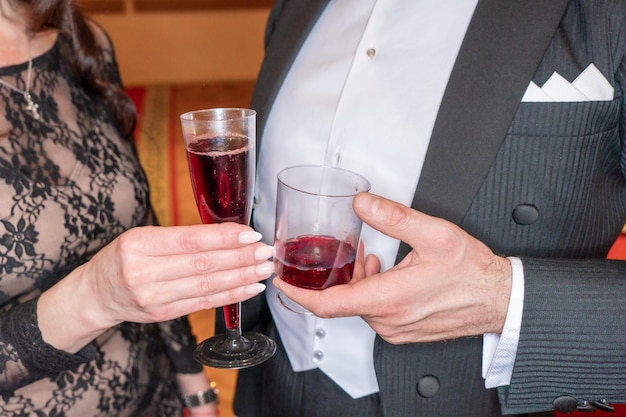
525,214
428,386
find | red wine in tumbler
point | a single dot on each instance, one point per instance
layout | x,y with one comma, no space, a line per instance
315,262
219,177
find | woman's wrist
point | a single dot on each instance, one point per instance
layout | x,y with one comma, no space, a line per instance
210,410
199,394
208,396
203,403
66,313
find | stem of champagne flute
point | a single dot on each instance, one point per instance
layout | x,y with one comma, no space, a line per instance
232,316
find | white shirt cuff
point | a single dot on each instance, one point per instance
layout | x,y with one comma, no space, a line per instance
499,351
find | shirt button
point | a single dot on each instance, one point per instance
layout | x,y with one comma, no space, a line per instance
371,52
318,355
320,333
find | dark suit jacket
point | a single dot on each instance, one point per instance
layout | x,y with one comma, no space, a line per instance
541,181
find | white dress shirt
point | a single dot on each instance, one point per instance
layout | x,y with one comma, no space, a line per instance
363,94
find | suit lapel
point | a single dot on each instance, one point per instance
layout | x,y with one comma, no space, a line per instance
297,18
504,44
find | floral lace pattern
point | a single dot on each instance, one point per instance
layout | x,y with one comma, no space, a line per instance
69,184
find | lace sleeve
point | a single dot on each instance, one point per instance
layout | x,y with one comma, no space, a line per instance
24,356
180,343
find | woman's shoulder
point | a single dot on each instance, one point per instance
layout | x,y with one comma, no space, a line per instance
100,34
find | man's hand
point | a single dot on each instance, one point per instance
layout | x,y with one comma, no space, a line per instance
449,286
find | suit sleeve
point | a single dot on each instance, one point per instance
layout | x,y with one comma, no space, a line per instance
573,335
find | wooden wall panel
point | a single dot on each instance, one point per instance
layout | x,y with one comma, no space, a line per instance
171,5
138,6
101,6
180,47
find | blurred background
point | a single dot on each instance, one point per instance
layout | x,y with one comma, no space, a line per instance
184,41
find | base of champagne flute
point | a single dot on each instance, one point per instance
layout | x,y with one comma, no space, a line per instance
291,305
247,350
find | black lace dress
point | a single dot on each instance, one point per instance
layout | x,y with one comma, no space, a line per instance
69,184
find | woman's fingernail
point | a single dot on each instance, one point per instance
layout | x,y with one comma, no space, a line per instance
255,289
264,252
249,237
264,269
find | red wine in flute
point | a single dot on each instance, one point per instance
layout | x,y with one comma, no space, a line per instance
315,262
219,180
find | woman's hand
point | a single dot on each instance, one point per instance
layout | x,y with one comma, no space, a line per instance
153,274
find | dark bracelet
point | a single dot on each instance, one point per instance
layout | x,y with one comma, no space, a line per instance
201,398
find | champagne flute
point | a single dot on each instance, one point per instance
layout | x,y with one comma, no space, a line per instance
220,145
316,232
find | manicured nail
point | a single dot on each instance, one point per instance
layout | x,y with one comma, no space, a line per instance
249,237
264,269
264,252
255,289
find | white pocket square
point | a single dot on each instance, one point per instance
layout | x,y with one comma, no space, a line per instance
590,85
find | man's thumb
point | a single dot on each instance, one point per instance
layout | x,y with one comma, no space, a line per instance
386,216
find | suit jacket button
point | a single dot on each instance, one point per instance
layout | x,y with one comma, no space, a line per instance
525,214
565,404
428,386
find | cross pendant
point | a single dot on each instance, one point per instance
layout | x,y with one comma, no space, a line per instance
31,105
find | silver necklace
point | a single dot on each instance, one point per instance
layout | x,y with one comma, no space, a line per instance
30,104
